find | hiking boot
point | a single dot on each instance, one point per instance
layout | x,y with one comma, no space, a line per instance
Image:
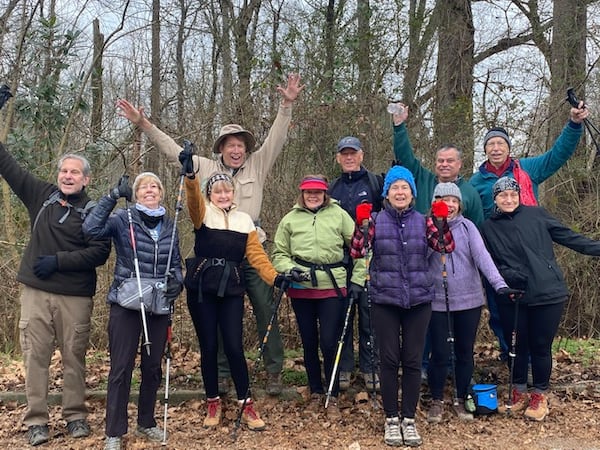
345,380
78,428
274,384
112,443
38,434
251,418
224,385
315,403
461,412
538,407
392,435
369,384
213,414
153,434
333,410
410,435
519,402
435,412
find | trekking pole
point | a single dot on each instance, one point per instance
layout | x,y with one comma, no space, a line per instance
339,350
589,125
439,225
261,350
188,146
136,266
366,246
512,355
168,368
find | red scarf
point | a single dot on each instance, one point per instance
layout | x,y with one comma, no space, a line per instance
522,177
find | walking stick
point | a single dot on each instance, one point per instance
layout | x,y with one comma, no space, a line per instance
363,216
187,146
136,266
512,355
339,350
589,125
261,350
438,222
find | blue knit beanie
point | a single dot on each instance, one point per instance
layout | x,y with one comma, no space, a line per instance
399,173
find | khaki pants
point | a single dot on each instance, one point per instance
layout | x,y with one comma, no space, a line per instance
47,320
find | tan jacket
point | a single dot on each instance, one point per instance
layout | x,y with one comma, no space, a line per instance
250,178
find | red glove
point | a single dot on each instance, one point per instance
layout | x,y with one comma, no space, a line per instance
363,212
439,210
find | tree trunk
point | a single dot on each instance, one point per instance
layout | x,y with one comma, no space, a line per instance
453,111
152,162
97,92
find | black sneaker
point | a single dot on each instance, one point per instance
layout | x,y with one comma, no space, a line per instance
78,428
38,434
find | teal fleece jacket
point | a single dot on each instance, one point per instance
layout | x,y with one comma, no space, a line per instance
539,168
426,180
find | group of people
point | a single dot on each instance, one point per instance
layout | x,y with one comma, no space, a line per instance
411,269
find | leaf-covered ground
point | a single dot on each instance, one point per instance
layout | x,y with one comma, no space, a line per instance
574,422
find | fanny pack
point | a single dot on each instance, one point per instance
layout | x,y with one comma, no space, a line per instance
153,295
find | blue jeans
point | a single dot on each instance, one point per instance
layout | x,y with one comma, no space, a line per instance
366,358
494,321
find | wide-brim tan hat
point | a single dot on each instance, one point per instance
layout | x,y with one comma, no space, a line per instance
233,129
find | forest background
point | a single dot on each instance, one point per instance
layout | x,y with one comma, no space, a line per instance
461,67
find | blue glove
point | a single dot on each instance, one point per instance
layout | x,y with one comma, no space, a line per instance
45,266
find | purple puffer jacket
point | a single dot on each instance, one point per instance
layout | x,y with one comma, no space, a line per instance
399,270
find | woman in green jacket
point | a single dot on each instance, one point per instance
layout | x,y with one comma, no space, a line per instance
312,236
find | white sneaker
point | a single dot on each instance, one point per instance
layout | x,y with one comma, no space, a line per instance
392,435
409,433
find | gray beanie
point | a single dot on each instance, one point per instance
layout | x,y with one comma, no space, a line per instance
444,189
505,184
497,132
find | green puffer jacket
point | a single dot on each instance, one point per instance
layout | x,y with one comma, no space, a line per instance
318,238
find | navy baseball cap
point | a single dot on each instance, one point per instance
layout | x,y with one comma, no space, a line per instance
349,142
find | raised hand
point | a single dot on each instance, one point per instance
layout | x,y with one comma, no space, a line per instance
290,93
130,112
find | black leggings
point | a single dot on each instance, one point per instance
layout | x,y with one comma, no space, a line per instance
391,324
225,314
536,328
464,330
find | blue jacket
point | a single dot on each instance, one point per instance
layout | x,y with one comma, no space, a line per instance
539,167
152,255
399,269
351,189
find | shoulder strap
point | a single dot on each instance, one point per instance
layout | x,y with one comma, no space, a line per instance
55,197
376,185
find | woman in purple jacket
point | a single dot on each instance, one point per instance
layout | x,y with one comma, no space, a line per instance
465,298
401,290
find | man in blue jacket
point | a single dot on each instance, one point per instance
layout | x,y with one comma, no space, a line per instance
354,186
529,173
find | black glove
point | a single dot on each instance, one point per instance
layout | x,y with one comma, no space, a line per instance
282,281
355,291
174,287
298,275
510,293
45,266
187,165
122,189
5,94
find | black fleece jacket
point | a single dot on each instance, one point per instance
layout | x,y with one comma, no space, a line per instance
521,245
77,255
